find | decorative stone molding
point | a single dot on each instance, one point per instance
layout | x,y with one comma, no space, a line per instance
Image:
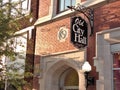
103,59
62,33
76,59
53,7
52,66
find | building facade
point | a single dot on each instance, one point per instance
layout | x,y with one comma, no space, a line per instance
23,42
58,62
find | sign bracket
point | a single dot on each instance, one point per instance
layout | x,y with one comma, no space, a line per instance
88,12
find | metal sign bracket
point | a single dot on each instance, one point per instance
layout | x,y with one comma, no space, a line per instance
88,12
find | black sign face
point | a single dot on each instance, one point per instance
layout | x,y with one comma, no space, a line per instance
79,32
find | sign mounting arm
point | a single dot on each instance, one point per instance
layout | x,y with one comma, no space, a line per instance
88,12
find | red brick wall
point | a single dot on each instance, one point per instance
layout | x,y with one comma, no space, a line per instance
46,40
34,9
108,16
30,42
25,21
44,6
46,37
105,17
83,0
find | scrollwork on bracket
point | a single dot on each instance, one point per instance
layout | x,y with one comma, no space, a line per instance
88,12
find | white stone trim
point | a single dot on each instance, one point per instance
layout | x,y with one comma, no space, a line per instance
53,66
62,34
25,30
89,3
52,11
30,28
103,59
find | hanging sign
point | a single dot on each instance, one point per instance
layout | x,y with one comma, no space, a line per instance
79,32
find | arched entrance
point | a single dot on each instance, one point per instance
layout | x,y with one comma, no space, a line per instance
59,76
64,76
69,80
62,72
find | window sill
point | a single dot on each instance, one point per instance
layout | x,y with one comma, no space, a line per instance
63,13
53,16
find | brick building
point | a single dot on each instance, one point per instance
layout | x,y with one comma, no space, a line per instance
23,41
28,29
58,63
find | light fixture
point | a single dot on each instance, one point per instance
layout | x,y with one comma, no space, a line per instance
86,67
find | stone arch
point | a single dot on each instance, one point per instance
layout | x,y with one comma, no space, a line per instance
52,76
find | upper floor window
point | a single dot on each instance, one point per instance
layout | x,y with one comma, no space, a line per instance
62,4
17,7
22,5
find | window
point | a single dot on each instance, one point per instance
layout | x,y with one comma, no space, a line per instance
116,71
62,4
22,6
17,6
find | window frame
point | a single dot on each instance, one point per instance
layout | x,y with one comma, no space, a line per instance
64,9
114,68
18,7
53,10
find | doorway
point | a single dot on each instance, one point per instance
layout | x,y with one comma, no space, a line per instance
69,80
63,72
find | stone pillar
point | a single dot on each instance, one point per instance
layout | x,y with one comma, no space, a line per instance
82,81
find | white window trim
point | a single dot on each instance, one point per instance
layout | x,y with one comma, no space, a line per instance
28,29
52,11
27,12
29,8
